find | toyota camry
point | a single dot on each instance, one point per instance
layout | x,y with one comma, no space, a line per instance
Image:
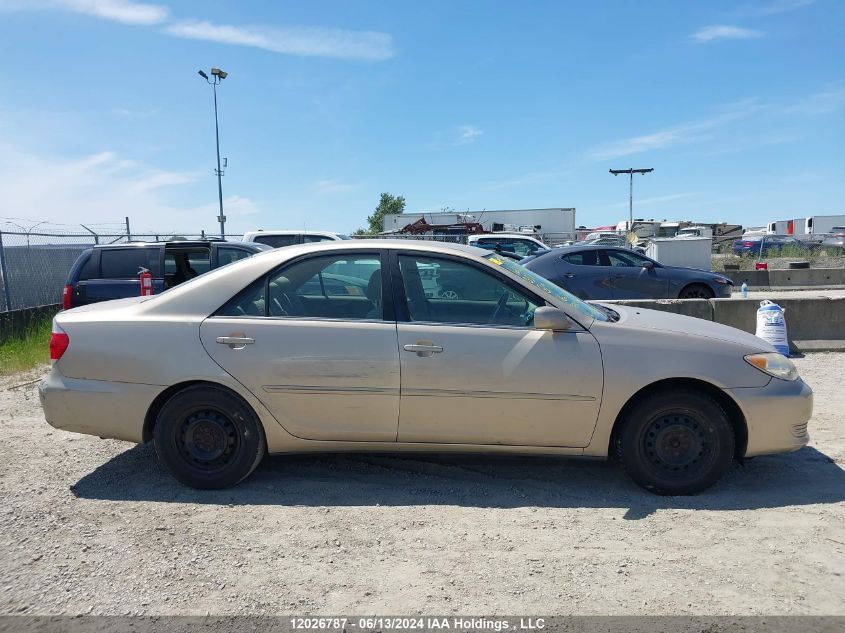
353,346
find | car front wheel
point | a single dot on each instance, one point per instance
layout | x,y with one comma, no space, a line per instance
676,443
208,437
696,291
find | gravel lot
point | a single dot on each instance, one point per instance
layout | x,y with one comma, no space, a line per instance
94,526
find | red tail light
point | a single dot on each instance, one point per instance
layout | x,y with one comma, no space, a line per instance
59,342
748,244
67,294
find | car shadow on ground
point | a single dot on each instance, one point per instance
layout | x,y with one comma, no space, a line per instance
802,478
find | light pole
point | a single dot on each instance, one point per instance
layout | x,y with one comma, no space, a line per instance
27,230
219,75
631,172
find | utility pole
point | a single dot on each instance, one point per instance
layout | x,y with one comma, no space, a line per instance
631,172
219,75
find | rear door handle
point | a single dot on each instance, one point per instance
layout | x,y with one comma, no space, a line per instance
569,275
235,342
423,348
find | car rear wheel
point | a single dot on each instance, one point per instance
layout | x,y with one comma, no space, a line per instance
208,438
676,443
696,291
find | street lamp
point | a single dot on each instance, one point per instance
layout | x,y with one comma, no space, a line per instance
29,230
631,172
218,76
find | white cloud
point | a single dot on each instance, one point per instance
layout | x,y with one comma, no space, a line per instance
682,134
829,100
123,11
305,41
294,40
782,6
468,134
330,186
102,188
724,32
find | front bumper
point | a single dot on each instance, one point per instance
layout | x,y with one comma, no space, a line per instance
96,407
776,415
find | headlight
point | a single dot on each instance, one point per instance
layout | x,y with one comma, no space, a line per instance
774,364
722,281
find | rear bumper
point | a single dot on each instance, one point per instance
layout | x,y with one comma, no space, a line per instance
776,415
96,407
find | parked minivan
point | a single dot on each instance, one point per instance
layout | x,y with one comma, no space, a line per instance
101,273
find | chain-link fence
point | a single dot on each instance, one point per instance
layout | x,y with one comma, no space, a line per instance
35,266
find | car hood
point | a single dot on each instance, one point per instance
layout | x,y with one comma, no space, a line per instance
658,320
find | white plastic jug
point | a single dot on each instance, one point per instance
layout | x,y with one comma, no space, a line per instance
771,326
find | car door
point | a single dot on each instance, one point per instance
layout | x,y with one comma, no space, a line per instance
583,274
325,365
474,371
112,272
634,276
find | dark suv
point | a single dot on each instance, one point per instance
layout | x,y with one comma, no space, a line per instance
108,272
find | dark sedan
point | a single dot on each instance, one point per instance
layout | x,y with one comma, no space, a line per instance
597,272
771,245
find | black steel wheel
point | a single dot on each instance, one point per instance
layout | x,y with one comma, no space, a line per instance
208,437
696,291
676,443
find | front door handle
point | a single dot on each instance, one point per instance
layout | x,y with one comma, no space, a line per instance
569,275
423,348
235,342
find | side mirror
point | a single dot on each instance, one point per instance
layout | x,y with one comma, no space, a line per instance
648,265
548,318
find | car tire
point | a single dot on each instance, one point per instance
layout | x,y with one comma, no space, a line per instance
696,291
676,442
208,437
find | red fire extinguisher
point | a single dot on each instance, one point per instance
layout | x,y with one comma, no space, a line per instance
146,279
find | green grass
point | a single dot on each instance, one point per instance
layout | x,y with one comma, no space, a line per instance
21,353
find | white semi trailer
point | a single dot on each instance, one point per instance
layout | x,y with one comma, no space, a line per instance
816,225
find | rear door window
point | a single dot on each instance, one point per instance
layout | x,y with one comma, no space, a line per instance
584,258
125,263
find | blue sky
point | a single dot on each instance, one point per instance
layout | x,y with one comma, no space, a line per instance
738,106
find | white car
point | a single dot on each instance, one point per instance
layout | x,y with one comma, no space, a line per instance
278,239
517,243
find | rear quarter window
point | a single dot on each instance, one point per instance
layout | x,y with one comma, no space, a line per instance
125,263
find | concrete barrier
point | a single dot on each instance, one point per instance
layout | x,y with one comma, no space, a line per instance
788,278
814,320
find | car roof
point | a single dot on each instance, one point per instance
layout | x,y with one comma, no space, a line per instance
168,243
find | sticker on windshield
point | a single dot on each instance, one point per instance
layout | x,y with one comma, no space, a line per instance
498,262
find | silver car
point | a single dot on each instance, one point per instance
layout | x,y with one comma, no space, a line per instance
259,357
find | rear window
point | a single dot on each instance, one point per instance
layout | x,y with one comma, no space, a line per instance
276,241
125,263
88,270
317,238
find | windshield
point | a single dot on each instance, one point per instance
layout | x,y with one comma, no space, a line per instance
533,279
